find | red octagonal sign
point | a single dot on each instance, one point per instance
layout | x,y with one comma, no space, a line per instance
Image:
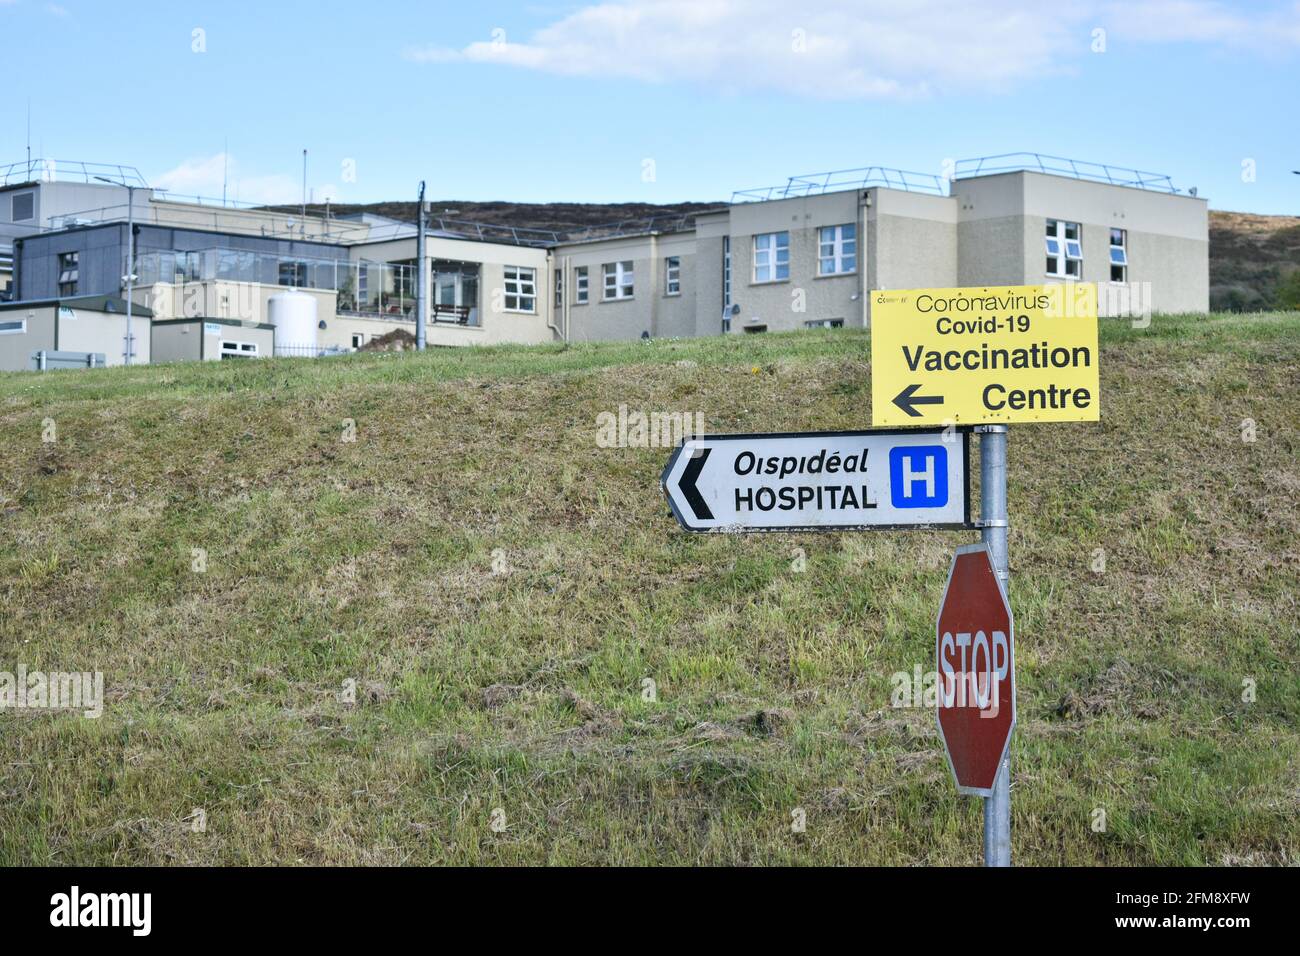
976,657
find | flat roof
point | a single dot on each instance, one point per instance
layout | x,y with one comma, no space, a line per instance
93,303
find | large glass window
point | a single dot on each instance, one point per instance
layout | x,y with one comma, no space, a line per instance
837,249
455,292
771,256
580,281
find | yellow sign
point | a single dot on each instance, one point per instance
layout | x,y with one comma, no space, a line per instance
985,355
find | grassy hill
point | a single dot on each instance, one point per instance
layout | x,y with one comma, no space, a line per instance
497,588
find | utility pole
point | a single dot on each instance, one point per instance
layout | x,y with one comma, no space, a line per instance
421,275
993,524
130,262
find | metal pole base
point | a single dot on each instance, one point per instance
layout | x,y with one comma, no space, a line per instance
993,523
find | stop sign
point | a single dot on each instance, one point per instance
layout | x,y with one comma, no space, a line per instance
976,663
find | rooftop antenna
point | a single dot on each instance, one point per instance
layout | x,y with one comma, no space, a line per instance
225,168
304,187
29,137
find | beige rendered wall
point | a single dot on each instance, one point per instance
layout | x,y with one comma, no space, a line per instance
263,337
787,304
177,342
709,232
912,240
16,348
81,330
221,299
1004,219
496,325
602,319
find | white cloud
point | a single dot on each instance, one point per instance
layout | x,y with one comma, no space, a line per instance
203,177
854,49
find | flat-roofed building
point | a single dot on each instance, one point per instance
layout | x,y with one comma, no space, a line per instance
804,254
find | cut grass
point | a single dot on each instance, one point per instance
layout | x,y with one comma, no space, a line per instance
498,589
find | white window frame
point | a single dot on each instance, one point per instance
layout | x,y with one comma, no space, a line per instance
824,324
237,349
358,340
837,249
1064,248
1122,260
726,273
771,257
20,329
69,271
581,285
559,288
672,275
623,286
520,284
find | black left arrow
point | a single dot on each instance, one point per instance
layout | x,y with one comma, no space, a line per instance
690,492
907,400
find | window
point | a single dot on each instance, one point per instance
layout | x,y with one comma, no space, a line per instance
618,280
358,340
1119,255
455,291
754,329
772,257
521,289
726,273
580,285
673,276
824,324
13,327
1064,249
23,207
69,269
293,274
231,349
837,250
559,288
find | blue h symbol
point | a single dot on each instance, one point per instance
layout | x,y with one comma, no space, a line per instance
918,476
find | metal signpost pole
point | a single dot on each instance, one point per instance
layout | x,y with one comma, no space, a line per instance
421,275
993,522
130,270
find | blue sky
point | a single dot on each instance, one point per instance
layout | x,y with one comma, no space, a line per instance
545,102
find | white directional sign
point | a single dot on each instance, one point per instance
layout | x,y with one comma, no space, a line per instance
821,481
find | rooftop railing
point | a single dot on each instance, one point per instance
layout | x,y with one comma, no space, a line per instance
1062,166
68,171
837,180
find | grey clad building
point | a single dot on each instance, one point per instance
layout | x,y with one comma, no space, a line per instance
804,254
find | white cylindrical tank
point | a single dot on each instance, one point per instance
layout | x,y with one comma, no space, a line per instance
294,316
